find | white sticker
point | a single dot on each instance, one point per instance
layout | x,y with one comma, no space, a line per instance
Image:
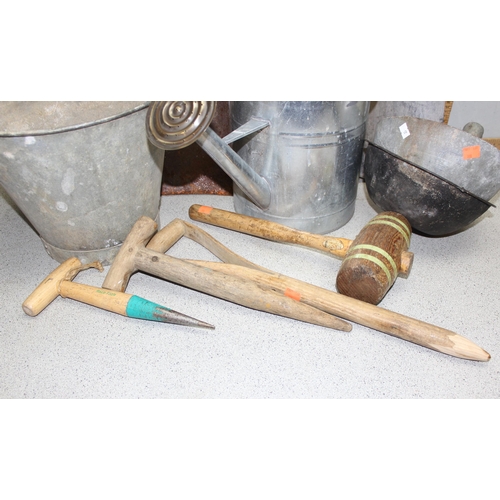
404,131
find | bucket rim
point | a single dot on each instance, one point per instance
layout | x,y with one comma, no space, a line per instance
78,126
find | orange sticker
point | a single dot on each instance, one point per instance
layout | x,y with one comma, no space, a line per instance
205,210
292,294
471,152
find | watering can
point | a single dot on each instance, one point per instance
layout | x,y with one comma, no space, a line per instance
296,163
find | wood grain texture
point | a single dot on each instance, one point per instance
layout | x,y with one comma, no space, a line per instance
269,230
358,277
448,105
373,261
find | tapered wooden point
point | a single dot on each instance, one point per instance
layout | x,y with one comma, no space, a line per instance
462,347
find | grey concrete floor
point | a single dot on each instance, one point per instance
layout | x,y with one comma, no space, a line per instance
73,350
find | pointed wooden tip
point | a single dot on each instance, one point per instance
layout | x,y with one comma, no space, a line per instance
461,347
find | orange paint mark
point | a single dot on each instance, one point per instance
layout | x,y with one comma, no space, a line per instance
471,152
292,294
205,210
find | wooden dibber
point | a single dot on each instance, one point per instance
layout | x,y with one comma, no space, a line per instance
134,256
257,285
58,282
372,262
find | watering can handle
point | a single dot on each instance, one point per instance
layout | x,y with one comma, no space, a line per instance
251,126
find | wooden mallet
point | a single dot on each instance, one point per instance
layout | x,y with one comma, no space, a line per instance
371,263
243,282
59,282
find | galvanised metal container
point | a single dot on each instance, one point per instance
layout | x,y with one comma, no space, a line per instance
294,162
81,172
439,177
310,155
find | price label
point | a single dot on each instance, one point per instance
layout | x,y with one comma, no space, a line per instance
471,152
404,130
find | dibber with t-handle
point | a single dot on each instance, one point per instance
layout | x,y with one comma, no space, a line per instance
59,282
134,256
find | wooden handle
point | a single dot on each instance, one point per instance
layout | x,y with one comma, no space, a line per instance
108,300
269,230
372,316
48,289
234,288
123,264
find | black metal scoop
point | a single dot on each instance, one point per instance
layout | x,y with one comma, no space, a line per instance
433,204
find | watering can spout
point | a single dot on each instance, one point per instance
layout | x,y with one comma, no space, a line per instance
252,184
174,125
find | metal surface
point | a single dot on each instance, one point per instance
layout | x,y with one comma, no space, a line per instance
443,150
440,178
300,171
432,205
310,155
173,125
81,185
22,118
246,129
192,171
254,186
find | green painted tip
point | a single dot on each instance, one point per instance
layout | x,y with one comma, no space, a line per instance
140,308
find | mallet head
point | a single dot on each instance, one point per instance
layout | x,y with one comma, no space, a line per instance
376,257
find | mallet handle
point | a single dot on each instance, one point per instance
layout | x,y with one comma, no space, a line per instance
282,234
269,230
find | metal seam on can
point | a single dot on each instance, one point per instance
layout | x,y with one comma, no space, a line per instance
373,259
379,250
395,226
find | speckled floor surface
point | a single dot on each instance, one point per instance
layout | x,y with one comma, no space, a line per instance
72,350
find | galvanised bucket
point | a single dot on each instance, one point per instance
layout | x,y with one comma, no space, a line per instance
82,173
